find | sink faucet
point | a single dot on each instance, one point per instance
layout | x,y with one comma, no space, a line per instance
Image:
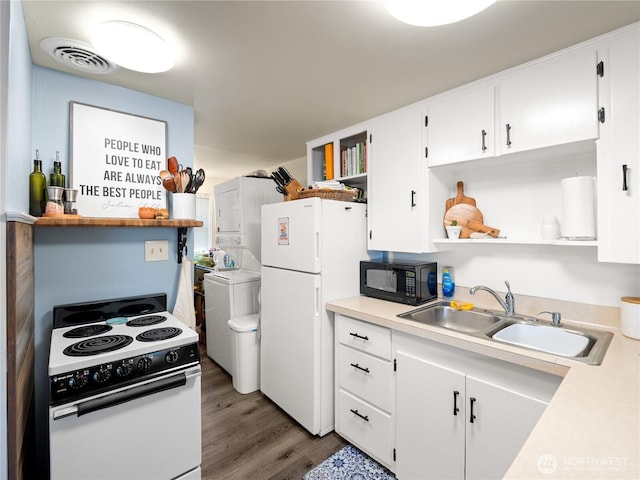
555,318
508,303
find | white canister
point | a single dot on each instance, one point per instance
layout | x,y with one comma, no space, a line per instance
578,208
183,206
630,317
550,228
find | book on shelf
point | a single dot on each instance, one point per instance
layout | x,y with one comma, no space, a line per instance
353,160
328,161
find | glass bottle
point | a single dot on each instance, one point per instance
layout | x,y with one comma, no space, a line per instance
37,186
57,178
448,282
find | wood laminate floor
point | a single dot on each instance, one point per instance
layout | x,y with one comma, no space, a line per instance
248,437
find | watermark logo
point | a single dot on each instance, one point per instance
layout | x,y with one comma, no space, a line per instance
547,464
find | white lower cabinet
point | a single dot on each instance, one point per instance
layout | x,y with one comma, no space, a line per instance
450,425
502,421
364,394
430,420
427,410
459,414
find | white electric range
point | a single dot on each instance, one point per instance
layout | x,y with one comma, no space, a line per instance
124,387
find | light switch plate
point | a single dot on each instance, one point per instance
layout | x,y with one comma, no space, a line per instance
156,250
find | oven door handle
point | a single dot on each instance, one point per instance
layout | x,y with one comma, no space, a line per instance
124,396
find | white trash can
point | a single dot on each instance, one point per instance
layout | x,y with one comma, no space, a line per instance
245,353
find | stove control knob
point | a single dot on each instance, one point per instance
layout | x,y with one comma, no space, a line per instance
171,357
79,380
101,375
144,364
124,369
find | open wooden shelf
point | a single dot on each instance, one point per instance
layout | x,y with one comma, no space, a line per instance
114,222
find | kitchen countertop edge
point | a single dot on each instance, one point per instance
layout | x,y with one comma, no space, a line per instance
591,427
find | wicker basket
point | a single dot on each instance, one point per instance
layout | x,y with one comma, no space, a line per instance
342,195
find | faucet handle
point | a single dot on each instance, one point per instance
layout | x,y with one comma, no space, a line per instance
506,282
555,318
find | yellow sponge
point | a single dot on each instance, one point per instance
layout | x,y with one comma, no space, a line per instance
460,305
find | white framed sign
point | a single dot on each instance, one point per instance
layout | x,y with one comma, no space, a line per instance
115,161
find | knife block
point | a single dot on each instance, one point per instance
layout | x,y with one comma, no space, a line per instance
293,189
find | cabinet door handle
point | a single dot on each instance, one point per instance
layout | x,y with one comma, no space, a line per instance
361,337
355,365
455,402
355,412
625,169
508,135
484,136
413,198
472,416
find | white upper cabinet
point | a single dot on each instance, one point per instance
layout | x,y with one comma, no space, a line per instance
397,199
552,102
460,126
619,150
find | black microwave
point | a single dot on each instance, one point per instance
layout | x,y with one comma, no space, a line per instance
408,282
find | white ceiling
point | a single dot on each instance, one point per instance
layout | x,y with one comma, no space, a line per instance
264,77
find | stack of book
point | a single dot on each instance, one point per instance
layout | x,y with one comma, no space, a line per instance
353,160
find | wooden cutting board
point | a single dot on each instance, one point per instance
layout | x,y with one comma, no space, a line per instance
470,220
459,198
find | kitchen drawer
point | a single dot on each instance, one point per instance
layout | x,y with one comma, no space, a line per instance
366,376
369,429
364,336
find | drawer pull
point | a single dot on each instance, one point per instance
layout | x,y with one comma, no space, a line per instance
455,402
355,365
359,336
625,169
484,137
355,412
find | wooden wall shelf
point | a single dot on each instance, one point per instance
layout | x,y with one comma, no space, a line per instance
74,221
113,222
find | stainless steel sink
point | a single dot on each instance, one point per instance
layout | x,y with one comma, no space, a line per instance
580,344
442,315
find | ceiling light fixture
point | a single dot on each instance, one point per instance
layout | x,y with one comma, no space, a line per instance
133,46
431,13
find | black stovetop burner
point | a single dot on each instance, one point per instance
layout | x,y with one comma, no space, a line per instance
87,331
96,345
157,334
146,321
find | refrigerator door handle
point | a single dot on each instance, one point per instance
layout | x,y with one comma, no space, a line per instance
317,246
317,301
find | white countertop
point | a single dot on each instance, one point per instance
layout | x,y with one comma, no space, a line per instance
591,427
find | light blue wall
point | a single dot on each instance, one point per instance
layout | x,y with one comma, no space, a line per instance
15,143
19,159
84,264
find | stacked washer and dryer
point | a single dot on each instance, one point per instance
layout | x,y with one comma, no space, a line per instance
232,295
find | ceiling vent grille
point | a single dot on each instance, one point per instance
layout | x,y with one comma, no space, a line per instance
78,55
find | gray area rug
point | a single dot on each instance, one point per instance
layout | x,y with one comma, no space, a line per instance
349,464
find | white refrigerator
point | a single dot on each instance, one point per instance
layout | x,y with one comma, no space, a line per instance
311,252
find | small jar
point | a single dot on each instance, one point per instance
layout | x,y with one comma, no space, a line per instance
55,206
70,196
550,228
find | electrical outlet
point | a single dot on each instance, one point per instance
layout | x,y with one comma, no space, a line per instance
156,250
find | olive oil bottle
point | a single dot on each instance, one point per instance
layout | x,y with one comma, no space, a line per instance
57,178
37,188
